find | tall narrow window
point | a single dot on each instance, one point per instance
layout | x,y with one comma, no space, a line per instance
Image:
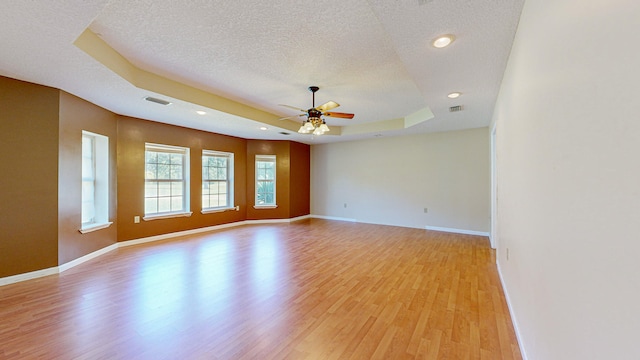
88,179
265,181
217,180
95,182
166,192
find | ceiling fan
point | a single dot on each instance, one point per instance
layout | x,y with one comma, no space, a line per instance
314,123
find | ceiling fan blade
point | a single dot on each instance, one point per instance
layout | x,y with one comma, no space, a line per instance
291,117
293,107
328,106
339,115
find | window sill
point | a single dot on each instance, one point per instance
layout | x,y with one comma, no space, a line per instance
167,216
261,207
218,210
94,227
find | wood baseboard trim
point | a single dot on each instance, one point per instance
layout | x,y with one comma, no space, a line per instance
457,231
514,321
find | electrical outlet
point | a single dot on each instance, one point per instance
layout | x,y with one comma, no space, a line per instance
426,210
345,205
136,219
507,253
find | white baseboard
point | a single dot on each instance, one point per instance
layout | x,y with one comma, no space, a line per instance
179,233
56,269
513,315
80,260
457,231
28,276
66,266
435,228
387,224
332,218
207,229
303,217
267,221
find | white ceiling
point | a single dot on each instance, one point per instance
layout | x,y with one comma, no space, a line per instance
373,57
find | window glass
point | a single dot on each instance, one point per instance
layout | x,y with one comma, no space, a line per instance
166,179
217,183
265,180
95,181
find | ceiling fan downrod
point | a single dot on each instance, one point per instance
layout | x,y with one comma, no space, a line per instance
313,89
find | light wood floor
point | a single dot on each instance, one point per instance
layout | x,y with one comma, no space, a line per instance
312,289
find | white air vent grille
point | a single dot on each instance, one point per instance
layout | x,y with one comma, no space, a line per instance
455,108
157,101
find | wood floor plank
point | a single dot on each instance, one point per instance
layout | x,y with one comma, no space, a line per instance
312,289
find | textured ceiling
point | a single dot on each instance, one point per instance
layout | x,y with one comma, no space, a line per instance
373,57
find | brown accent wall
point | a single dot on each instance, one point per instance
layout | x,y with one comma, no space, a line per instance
281,150
77,115
132,136
28,186
292,178
40,194
300,180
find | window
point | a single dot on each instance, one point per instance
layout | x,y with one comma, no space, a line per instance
95,182
217,180
166,191
88,179
265,181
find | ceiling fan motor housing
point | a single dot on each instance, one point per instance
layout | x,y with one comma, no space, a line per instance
313,112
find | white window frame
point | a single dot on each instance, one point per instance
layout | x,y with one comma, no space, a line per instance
272,159
95,202
171,150
229,181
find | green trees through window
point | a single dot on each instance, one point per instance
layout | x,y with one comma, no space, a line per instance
217,180
265,180
166,174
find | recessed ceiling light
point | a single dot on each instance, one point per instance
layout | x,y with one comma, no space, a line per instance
263,128
443,41
200,112
454,95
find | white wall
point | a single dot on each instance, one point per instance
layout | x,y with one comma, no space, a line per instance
391,180
568,130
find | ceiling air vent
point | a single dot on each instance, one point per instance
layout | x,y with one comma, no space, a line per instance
157,101
455,108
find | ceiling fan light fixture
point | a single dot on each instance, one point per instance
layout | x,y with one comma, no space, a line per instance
303,129
443,41
309,126
315,123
